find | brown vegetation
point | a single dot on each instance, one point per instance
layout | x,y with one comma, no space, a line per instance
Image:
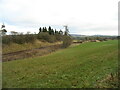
67,41
30,53
111,81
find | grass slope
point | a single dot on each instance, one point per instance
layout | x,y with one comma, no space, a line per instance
79,66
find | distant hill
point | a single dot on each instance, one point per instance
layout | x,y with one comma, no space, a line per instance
78,35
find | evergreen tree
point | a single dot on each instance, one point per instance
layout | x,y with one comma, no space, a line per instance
61,32
50,30
45,29
40,30
55,31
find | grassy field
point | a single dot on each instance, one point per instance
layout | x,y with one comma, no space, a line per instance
82,66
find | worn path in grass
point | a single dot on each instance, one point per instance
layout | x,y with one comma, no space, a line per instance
80,66
30,53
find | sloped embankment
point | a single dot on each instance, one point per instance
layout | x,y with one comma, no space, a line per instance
30,53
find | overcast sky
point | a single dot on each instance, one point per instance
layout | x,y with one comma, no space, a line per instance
88,17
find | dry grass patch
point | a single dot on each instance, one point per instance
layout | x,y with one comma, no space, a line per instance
19,47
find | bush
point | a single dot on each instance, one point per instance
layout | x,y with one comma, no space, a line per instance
66,41
19,39
45,36
29,38
58,37
52,39
6,39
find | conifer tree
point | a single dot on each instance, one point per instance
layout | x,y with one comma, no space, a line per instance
45,29
55,31
40,30
61,32
50,30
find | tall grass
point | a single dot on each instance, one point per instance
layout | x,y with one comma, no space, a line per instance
14,47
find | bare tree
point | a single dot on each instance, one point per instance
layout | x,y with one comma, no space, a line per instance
3,31
66,30
14,33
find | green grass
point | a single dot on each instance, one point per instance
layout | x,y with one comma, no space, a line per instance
74,67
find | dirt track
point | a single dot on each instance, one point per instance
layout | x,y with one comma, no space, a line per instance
30,53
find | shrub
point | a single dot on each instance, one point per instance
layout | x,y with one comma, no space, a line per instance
29,38
58,37
52,39
6,39
45,36
19,39
66,41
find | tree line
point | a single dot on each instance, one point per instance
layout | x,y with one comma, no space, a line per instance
45,34
50,31
93,38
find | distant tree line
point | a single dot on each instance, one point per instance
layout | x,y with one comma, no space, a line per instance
93,38
45,34
50,31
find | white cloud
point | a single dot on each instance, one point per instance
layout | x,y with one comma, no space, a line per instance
85,16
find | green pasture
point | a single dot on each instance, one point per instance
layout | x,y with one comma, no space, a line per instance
81,66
